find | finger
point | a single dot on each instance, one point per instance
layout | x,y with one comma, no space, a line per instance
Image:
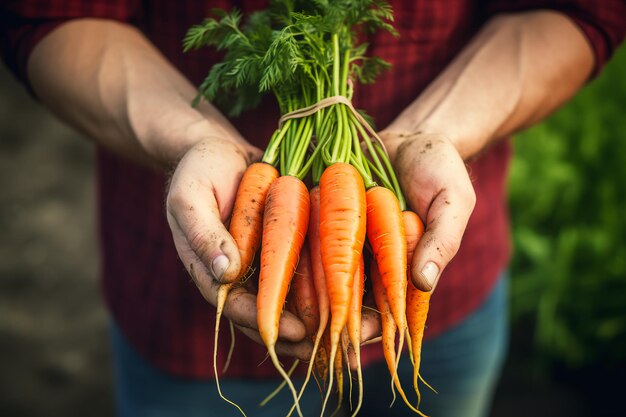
198,231
447,219
254,154
196,216
438,187
370,325
241,308
370,333
301,350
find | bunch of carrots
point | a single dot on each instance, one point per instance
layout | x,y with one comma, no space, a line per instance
324,192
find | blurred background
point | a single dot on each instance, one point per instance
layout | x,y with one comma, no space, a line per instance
568,204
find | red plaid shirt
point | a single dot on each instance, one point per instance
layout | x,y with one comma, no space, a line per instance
145,286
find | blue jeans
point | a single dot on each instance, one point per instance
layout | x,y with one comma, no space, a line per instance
141,390
463,365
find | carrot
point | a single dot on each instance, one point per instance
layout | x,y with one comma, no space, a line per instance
338,368
413,230
319,353
245,227
247,218
231,348
302,302
385,232
342,234
326,346
354,329
302,295
345,344
389,331
285,222
321,363
387,322
319,279
417,301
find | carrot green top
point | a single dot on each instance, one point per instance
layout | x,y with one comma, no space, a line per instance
303,52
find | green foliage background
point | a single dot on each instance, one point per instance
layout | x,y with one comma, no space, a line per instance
568,204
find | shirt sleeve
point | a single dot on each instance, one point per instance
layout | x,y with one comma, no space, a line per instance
25,22
602,22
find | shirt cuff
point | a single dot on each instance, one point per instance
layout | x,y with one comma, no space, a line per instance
597,41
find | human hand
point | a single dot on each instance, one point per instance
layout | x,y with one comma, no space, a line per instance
437,186
199,202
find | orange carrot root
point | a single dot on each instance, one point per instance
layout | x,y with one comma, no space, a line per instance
247,219
326,347
342,234
285,223
231,348
319,353
246,228
302,294
417,301
354,331
321,366
338,365
385,232
222,293
389,333
387,322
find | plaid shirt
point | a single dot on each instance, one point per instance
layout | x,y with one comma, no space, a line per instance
147,290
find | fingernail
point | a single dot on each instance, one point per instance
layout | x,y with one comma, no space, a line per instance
430,272
219,266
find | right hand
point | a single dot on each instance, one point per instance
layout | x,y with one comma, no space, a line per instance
199,202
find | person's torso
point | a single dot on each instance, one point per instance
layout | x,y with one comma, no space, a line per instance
150,295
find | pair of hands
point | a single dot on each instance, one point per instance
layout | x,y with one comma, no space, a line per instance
203,189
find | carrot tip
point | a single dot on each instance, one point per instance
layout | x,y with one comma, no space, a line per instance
280,386
272,353
217,381
427,384
309,371
231,348
331,372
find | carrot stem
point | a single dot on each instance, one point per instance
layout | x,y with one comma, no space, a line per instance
271,151
394,180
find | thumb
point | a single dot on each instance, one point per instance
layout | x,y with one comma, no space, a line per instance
447,219
198,231
199,198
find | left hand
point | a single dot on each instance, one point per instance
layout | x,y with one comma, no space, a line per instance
438,188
